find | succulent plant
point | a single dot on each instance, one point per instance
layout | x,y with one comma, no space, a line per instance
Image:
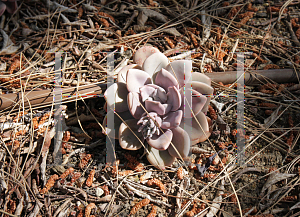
150,97
9,5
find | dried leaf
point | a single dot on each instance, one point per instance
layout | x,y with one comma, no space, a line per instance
142,18
215,206
274,178
172,31
272,118
8,46
155,15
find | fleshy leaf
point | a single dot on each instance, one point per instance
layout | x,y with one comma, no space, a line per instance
159,159
123,72
171,120
162,141
204,89
134,105
137,78
119,91
11,6
117,122
155,63
146,91
174,98
181,142
197,134
127,139
160,95
182,70
198,102
143,53
197,76
2,8
154,106
165,79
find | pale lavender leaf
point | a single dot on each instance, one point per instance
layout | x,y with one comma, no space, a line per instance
134,105
2,8
181,142
204,89
165,79
153,106
137,78
155,63
146,91
197,76
198,102
159,159
127,139
11,6
123,72
171,120
174,98
182,70
160,95
119,101
199,133
162,141
117,122
143,53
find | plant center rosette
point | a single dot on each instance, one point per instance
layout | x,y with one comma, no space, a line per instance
162,103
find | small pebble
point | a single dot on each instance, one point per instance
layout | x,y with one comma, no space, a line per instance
99,192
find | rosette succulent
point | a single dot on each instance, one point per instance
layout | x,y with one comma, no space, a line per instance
9,5
161,103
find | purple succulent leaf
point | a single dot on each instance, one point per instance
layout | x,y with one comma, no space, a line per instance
172,120
119,101
204,89
143,53
155,63
159,159
168,107
127,139
197,76
153,115
136,78
123,72
11,6
134,105
160,95
162,141
165,79
146,91
198,102
174,98
114,132
2,8
181,142
154,106
182,70
157,119
198,133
